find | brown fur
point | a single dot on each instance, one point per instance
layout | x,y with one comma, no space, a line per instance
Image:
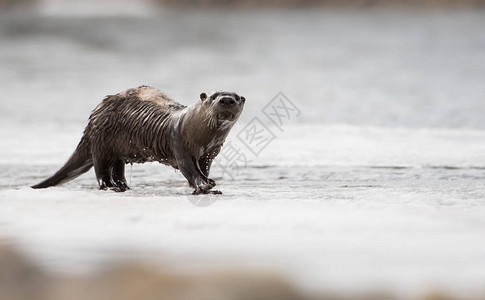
144,124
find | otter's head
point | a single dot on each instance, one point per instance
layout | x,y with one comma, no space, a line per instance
224,106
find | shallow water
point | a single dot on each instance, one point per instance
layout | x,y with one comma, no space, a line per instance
377,184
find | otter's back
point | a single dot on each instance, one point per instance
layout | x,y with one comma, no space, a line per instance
141,100
134,115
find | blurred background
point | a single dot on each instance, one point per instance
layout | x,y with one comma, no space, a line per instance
384,63
375,191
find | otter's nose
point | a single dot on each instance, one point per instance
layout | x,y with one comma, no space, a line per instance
227,101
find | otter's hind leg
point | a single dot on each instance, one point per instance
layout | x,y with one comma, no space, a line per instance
102,168
118,176
110,174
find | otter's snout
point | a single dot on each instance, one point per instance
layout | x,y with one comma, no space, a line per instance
227,101
226,106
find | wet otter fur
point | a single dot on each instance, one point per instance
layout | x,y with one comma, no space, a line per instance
143,125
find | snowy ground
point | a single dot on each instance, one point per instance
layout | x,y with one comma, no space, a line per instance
393,201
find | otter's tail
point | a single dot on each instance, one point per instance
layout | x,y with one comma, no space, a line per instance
80,162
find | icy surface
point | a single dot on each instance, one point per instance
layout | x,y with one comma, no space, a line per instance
393,200
332,207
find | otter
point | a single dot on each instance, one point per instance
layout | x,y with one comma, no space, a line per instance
143,125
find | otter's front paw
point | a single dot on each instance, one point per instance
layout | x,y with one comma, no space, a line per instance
202,189
211,181
205,189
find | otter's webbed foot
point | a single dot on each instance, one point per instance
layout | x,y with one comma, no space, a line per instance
202,189
105,184
120,186
211,182
206,189
117,186
120,189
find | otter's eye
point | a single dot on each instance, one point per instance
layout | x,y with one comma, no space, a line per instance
214,96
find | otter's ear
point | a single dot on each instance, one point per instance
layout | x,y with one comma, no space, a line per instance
243,99
203,96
